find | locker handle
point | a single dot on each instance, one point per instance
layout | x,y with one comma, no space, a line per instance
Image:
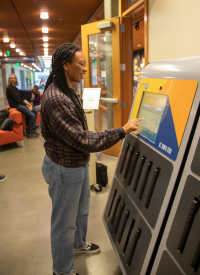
115,210
132,169
133,247
129,161
128,236
193,210
119,217
152,186
115,193
124,158
146,175
196,260
139,173
123,225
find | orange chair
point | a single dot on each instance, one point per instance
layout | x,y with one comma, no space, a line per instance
24,118
16,134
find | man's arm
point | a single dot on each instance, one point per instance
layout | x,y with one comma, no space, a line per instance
27,103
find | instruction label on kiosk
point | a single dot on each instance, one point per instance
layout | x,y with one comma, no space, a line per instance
165,105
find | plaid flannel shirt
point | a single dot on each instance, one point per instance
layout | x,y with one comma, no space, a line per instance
66,142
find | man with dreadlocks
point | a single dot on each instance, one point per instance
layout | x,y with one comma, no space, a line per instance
68,144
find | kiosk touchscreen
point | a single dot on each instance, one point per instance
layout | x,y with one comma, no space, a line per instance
152,109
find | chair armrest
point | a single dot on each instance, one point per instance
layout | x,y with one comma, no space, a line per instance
15,115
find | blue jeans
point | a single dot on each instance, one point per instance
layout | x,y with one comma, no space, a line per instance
30,115
69,189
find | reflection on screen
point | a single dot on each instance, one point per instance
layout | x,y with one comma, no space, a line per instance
151,109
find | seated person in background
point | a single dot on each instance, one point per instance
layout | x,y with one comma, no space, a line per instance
16,100
35,98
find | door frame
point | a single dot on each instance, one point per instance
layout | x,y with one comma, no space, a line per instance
90,29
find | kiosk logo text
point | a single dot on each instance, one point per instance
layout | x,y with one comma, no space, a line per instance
165,148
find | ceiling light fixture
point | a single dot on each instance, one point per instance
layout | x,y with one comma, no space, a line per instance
44,15
45,30
5,55
21,53
45,49
17,50
104,38
22,64
137,26
45,45
45,39
1,53
36,67
6,40
12,45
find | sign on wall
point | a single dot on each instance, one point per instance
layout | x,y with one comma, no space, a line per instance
19,59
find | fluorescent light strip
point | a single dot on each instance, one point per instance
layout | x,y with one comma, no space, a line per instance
36,66
44,15
12,45
45,30
6,40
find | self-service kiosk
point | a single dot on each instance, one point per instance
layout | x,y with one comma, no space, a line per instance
151,215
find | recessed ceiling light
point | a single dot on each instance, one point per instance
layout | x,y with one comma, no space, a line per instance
22,64
45,49
104,38
44,15
45,30
5,55
17,50
21,53
6,40
60,19
12,45
45,45
1,53
45,39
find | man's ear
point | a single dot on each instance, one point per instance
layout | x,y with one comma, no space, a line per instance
65,66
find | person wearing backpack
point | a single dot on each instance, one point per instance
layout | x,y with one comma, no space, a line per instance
16,100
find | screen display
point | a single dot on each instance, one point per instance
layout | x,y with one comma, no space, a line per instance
153,110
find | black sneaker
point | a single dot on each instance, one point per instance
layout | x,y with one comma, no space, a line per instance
34,132
73,273
2,178
32,136
91,248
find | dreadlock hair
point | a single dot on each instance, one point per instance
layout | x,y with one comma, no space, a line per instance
63,54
